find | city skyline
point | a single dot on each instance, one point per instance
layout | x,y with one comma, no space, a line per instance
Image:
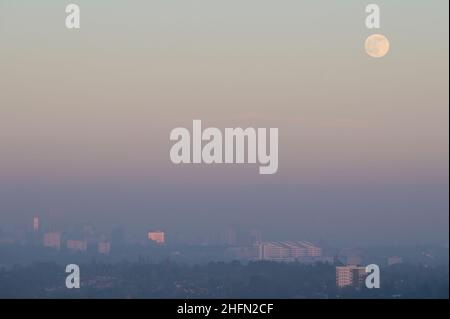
228,244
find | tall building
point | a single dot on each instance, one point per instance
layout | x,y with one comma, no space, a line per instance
255,236
350,276
36,224
52,240
229,237
157,237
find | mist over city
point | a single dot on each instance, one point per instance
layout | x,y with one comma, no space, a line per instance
224,149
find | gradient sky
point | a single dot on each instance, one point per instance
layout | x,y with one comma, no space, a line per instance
85,116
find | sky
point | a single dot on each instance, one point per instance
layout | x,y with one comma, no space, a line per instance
85,116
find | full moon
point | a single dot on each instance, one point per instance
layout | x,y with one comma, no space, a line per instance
377,45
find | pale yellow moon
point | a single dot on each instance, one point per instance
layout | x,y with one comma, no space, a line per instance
377,45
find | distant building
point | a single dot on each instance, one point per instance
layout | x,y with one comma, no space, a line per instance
77,245
394,260
52,240
287,250
157,237
255,236
311,249
350,256
104,248
273,251
229,237
36,224
354,260
350,276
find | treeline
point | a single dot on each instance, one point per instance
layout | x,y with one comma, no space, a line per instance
216,280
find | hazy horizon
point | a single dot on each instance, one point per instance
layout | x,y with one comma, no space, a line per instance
85,117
